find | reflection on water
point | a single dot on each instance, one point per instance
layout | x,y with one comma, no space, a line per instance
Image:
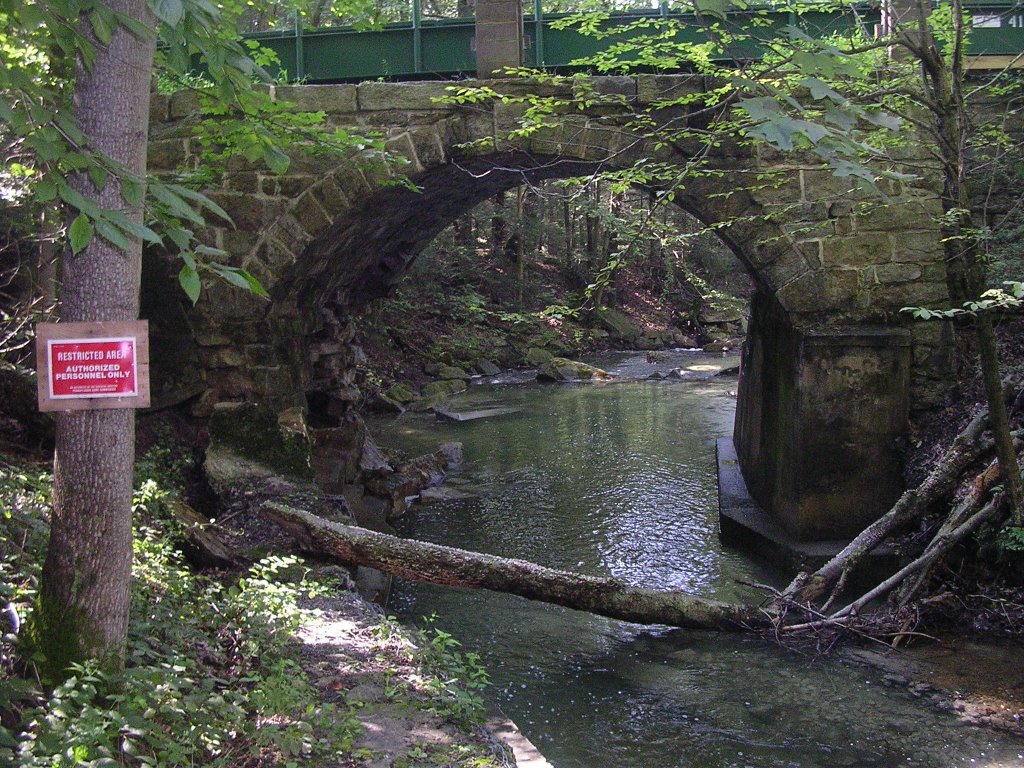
618,479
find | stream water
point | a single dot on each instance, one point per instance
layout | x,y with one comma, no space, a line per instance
618,479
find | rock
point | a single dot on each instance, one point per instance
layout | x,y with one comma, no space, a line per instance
337,453
444,387
723,346
372,461
536,357
443,493
400,487
486,368
400,394
679,373
657,376
447,372
618,325
721,314
293,421
733,370
253,432
561,369
432,369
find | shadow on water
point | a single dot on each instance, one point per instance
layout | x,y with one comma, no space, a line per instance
618,479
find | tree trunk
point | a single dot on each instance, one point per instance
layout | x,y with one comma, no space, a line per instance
437,564
84,594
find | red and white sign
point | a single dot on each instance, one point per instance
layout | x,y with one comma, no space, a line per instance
93,367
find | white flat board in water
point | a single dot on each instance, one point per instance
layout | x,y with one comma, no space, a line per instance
444,414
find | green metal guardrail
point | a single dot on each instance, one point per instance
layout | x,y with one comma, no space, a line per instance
424,48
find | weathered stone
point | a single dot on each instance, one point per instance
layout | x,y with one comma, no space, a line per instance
618,325
331,99
401,394
535,356
560,369
486,368
451,372
252,431
444,387
374,96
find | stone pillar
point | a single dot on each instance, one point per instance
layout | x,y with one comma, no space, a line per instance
817,420
499,35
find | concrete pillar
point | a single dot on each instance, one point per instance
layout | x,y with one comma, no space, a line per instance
818,416
499,35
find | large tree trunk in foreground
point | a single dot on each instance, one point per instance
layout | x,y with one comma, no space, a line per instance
437,564
84,594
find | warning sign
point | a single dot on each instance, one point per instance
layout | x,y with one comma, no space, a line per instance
92,365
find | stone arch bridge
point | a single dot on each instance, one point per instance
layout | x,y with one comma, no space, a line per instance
830,369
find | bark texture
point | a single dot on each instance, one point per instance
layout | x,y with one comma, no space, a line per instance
84,595
448,566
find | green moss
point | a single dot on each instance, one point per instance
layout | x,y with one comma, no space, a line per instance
443,388
64,636
252,431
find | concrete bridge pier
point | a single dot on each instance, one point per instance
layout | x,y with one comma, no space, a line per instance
819,415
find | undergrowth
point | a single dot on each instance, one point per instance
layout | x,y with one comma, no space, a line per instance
210,678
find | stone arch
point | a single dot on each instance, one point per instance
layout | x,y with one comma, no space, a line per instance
332,233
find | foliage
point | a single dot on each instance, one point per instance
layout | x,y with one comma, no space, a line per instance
210,677
38,44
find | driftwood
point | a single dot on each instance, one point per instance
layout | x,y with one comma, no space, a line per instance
436,564
968,446
939,546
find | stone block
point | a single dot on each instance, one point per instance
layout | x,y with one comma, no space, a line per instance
183,104
375,96
330,99
654,88
858,250
428,147
159,107
166,154
310,215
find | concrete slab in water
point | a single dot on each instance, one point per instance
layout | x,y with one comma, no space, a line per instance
482,413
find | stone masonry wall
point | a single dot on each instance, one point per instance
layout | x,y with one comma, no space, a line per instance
329,235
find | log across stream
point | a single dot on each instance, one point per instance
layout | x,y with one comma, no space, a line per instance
617,480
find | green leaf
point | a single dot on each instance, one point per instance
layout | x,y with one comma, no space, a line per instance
169,12
188,277
46,190
98,175
101,20
80,233
113,235
240,278
276,160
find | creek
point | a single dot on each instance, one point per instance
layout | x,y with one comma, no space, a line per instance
618,479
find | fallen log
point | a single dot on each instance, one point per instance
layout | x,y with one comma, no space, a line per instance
436,564
968,446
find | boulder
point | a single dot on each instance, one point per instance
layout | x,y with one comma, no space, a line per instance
451,372
444,387
536,357
486,368
400,394
724,345
561,369
618,325
255,432
400,487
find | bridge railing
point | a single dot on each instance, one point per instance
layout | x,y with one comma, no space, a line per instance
427,47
